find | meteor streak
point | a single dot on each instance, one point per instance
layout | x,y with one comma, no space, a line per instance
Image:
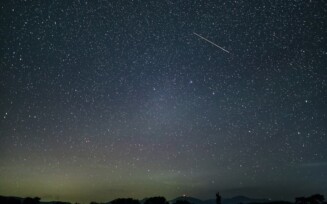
210,42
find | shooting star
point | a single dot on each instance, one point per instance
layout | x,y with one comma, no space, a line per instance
210,42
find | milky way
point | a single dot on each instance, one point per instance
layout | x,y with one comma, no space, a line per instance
107,99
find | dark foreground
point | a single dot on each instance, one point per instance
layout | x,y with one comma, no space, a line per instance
313,199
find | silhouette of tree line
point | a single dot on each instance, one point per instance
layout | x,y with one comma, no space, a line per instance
313,199
27,200
15,200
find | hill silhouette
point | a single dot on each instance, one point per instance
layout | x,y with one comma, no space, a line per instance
313,199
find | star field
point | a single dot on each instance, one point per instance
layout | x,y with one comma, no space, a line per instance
107,99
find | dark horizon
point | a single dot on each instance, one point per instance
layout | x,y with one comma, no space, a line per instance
312,199
49,198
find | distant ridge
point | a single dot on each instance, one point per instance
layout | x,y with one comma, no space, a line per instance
233,200
192,200
243,199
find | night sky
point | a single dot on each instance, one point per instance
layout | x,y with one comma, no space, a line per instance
106,99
